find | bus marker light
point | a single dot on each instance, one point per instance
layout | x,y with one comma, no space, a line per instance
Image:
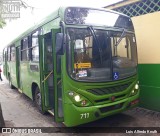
135,102
71,93
133,91
84,102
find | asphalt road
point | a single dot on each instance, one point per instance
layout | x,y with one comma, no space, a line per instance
19,111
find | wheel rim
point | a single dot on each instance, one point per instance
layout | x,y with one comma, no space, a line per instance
38,99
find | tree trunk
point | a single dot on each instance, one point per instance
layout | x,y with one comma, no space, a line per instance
2,124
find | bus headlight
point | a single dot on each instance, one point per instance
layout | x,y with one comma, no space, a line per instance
135,89
136,86
78,99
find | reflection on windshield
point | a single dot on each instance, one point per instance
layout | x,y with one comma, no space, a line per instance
89,16
90,60
96,41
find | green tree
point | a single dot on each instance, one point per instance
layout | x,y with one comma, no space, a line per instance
2,23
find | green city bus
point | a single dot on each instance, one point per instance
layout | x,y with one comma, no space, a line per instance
79,64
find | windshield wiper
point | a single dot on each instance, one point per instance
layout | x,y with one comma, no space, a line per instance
97,42
121,37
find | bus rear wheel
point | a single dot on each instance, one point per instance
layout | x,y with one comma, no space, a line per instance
10,83
38,100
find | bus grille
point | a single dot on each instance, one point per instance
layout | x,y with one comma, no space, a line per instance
111,108
108,90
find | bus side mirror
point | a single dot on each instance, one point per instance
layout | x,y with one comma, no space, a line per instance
60,43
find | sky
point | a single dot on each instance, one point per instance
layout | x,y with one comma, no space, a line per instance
30,16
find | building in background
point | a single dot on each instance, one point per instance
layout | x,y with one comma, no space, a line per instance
146,18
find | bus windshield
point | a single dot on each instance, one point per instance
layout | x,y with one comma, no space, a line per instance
87,16
101,55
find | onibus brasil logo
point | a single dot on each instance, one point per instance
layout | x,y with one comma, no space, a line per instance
10,9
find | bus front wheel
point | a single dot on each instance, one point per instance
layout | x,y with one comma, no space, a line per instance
38,100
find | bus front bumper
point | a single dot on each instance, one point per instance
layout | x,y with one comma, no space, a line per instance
79,115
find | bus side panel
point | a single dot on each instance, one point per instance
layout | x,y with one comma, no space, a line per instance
149,77
33,75
28,77
25,79
13,73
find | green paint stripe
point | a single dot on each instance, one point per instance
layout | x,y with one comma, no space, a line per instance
150,86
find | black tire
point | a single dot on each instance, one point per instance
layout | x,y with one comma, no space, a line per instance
10,83
38,100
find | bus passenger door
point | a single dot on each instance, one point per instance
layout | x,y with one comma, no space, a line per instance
46,71
58,86
5,65
18,51
49,76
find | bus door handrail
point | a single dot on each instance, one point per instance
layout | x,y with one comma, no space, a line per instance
47,76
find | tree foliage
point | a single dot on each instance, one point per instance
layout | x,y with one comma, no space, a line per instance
2,23
22,4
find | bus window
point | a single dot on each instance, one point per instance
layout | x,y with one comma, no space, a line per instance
92,58
8,54
13,53
49,56
124,48
4,52
80,52
24,49
35,48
